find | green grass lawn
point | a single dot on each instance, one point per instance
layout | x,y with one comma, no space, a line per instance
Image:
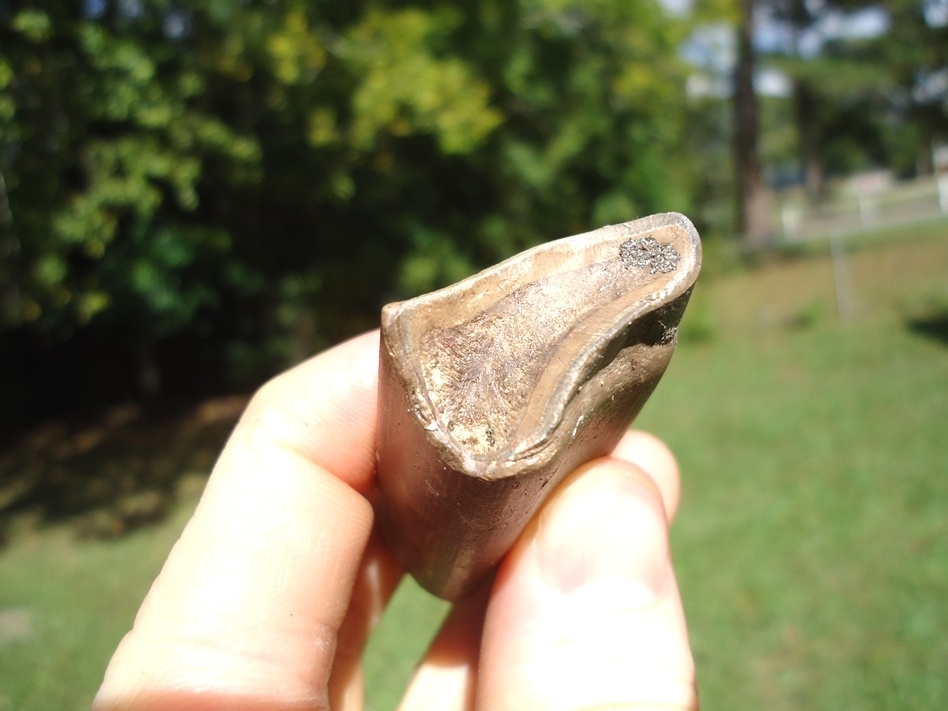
812,540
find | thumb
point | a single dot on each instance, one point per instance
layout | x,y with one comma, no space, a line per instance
585,611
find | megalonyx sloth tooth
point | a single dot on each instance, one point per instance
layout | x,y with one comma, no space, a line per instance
492,390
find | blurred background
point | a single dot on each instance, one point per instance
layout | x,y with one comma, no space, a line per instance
195,195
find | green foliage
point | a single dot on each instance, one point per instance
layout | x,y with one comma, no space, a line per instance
861,103
228,171
405,87
432,259
171,171
108,143
34,25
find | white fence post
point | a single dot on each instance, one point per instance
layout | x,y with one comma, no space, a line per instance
940,166
841,284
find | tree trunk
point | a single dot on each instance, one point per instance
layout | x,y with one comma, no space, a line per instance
806,108
808,131
753,200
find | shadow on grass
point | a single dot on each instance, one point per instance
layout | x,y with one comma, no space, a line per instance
111,473
933,326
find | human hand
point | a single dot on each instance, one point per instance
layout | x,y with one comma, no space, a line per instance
269,596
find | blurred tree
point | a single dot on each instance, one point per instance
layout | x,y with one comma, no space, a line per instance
103,143
915,50
838,90
858,74
254,179
594,99
753,201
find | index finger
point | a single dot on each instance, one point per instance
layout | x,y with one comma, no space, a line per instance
247,608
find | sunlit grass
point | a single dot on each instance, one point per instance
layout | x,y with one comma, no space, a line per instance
68,604
812,541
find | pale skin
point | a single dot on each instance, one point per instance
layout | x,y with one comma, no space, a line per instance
268,598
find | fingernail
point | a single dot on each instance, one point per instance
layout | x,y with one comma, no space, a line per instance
606,524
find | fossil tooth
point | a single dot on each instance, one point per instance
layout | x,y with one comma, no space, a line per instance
494,389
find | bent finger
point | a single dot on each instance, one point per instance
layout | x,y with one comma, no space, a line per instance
247,608
653,456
